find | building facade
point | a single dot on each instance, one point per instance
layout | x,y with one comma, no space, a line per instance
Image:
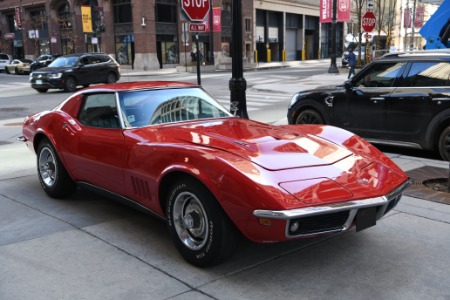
152,34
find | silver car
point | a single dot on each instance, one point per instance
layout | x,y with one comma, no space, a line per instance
5,59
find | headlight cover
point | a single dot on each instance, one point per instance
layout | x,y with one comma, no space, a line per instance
55,76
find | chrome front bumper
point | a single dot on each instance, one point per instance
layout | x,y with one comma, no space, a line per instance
332,217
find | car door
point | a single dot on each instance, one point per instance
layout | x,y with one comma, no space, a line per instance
84,71
423,93
363,108
94,153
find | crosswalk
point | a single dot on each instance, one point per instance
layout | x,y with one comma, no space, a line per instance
258,100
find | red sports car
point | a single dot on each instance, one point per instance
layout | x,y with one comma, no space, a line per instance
171,149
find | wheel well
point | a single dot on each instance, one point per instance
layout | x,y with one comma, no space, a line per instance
165,185
437,133
38,139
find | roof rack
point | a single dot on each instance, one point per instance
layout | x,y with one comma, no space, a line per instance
418,52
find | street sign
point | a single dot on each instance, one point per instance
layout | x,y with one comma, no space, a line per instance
195,27
370,5
368,21
196,10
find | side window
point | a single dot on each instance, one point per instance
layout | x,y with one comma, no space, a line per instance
85,60
96,59
381,75
100,110
428,74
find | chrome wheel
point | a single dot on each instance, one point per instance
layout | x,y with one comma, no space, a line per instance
47,167
190,221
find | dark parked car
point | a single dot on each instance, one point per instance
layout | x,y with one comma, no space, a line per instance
70,71
400,99
42,61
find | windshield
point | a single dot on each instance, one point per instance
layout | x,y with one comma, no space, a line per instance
150,107
64,62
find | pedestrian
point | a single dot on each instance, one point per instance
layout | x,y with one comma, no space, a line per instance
351,57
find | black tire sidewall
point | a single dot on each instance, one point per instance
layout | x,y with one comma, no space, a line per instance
68,87
64,186
441,144
219,230
310,112
111,75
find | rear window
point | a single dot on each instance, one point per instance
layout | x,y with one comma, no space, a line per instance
4,56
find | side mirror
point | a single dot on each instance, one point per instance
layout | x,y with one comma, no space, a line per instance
348,84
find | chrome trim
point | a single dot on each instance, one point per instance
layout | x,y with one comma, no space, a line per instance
351,206
394,143
319,210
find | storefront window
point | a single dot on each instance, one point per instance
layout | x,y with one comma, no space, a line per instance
124,49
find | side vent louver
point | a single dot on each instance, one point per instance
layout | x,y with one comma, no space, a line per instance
140,188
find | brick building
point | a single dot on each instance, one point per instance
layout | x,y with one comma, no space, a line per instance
150,34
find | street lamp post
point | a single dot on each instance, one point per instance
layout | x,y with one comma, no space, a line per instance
237,84
333,68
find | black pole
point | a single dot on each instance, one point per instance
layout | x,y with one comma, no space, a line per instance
199,80
237,84
211,35
333,68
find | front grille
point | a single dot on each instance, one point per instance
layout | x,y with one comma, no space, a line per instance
319,224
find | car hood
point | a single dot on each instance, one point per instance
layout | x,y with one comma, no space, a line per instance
271,147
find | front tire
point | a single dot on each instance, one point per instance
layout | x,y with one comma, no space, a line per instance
200,230
71,84
309,116
444,144
52,175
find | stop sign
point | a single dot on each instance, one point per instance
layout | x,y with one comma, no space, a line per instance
196,10
368,21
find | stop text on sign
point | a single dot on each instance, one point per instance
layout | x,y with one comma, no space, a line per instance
195,3
196,10
368,22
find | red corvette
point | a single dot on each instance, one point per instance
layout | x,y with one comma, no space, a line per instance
172,150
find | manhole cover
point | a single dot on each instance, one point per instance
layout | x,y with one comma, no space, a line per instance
11,109
430,183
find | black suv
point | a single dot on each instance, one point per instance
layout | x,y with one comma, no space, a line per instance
400,99
42,61
70,71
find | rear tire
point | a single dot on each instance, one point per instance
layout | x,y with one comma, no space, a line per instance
53,177
309,116
111,78
200,230
444,144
